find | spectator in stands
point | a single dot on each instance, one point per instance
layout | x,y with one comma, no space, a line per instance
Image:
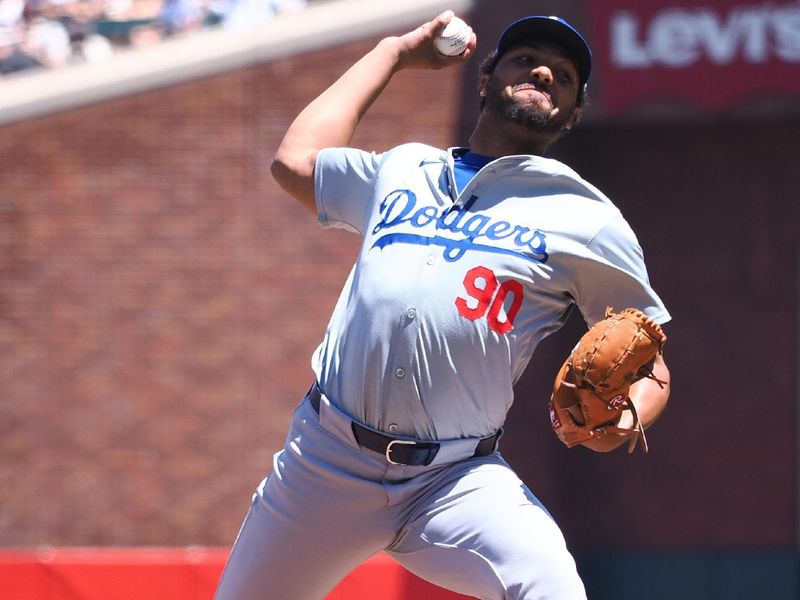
178,16
87,45
44,38
242,14
12,58
51,33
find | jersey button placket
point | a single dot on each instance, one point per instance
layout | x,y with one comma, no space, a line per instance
411,314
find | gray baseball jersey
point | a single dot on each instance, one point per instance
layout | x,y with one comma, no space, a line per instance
450,294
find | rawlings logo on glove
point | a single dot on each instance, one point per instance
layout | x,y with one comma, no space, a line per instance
591,389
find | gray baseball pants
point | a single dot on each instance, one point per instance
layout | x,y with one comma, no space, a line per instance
466,524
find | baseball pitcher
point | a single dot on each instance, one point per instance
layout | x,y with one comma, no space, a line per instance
470,256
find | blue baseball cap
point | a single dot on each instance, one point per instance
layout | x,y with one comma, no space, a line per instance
551,28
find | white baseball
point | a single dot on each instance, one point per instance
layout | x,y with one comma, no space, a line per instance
454,39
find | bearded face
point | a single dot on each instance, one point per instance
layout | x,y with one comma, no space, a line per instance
523,107
535,86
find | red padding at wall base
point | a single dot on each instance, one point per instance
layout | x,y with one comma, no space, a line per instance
173,574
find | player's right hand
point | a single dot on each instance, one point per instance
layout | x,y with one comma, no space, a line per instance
416,49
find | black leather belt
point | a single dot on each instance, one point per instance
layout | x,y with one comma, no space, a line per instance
402,451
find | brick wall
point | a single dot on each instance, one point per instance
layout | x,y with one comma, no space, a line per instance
160,300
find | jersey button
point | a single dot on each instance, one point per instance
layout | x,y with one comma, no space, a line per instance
400,372
411,313
392,427
431,259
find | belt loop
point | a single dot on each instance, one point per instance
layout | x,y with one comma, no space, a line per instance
314,396
488,444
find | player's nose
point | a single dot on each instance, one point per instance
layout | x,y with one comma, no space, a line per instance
543,74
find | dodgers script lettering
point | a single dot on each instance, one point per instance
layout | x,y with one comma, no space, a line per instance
456,229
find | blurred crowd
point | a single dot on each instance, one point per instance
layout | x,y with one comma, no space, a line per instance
52,33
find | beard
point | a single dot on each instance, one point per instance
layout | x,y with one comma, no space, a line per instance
533,116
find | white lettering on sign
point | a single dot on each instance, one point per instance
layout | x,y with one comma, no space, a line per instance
679,37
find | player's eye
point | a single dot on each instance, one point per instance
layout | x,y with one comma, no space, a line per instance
565,76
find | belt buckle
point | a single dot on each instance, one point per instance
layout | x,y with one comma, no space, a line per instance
389,449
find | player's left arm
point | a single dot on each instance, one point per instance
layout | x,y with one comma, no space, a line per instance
650,399
618,244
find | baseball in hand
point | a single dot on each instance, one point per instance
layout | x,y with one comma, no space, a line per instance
454,39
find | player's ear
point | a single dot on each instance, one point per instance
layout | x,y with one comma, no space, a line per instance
574,118
483,82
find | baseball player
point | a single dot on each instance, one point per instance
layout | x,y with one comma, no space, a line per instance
470,257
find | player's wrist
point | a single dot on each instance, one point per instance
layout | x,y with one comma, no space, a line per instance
626,420
393,52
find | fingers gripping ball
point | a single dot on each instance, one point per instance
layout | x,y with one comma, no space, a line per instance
591,389
454,38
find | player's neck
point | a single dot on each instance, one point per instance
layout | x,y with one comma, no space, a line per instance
494,137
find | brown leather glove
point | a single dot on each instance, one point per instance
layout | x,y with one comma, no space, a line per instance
591,389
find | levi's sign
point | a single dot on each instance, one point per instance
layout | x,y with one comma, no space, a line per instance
680,37
714,54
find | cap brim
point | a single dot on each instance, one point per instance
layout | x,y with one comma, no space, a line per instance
551,28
